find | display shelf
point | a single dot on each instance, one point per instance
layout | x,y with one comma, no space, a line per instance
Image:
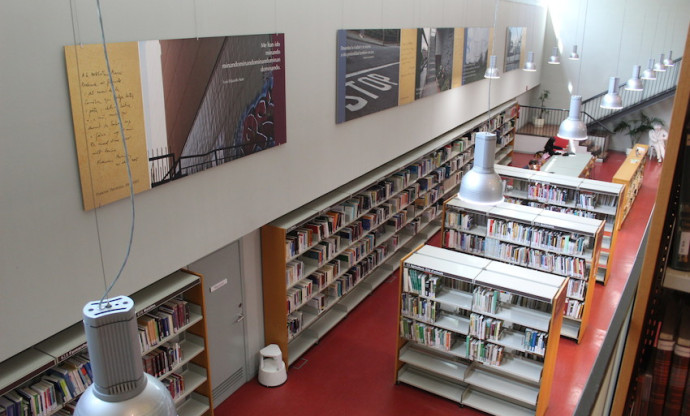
69,345
516,234
630,176
489,404
195,405
448,368
450,350
425,381
567,194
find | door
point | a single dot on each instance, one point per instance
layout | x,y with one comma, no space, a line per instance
225,319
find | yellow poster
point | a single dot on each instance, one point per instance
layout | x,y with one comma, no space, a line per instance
408,65
458,47
102,167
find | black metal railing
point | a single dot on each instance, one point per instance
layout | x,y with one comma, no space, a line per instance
664,85
550,116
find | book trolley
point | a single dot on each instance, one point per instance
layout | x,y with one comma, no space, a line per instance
582,197
560,244
321,260
50,376
477,331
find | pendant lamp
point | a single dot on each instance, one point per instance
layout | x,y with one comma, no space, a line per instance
612,100
530,66
649,73
482,185
668,62
492,71
635,83
120,386
659,66
554,59
574,56
573,128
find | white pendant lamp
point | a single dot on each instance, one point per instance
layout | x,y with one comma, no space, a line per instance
492,71
668,62
659,66
573,128
120,386
612,100
649,73
554,59
635,83
530,66
574,56
482,185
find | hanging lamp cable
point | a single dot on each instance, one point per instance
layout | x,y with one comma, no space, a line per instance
124,145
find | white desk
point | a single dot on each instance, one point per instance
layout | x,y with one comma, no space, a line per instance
577,165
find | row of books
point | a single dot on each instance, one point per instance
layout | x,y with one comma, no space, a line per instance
415,281
428,335
537,237
175,384
486,352
573,308
294,272
551,193
535,341
420,308
163,359
323,251
460,220
162,323
576,289
537,259
485,328
486,300
294,324
468,243
57,387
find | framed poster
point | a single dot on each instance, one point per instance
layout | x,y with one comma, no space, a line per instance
475,54
515,39
186,105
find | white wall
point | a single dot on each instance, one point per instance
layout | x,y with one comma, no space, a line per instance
51,249
612,36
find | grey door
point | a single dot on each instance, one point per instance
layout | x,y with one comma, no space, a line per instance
225,312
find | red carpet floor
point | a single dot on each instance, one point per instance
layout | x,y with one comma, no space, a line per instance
351,371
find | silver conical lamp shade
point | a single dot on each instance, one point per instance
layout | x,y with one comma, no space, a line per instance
573,128
482,185
554,59
668,62
120,386
635,83
659,66
649,73
492,71
530,66
574,55
612,100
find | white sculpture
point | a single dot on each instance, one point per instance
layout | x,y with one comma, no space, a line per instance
657,140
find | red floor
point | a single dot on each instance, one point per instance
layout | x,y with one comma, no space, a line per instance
351,371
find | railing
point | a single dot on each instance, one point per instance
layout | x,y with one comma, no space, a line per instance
664,84
164,167
551,116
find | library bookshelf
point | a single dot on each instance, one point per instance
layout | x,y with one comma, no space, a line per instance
578,196
630,176
321,260
58,366
478,331
535,238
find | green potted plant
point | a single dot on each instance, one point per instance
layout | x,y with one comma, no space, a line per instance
539,119
637,126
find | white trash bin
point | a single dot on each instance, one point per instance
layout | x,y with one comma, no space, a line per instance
272,370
